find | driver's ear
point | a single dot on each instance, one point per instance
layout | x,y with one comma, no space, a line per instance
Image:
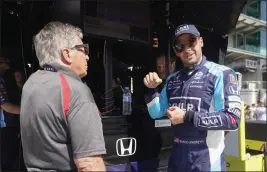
201,42
66,55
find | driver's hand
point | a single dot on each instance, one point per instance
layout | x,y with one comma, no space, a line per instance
176,115
152,80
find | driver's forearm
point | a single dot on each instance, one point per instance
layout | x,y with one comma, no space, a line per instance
11,108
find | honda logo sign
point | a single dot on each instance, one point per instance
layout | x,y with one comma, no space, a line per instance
126,146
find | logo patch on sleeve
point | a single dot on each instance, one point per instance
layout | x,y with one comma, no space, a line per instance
210,122
232,79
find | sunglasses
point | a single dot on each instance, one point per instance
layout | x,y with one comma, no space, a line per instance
179,47
84,46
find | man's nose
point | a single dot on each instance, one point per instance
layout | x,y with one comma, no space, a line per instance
161,69
87,57
187,49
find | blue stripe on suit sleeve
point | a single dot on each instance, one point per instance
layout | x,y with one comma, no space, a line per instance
158,106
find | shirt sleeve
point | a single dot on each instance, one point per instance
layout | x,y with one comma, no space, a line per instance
3,92
157,103
227,104
86,132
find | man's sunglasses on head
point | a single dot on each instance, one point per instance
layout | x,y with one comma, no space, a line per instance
179,47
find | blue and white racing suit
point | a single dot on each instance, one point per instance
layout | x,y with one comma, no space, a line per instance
209,95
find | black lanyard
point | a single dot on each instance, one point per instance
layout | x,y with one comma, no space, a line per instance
49,68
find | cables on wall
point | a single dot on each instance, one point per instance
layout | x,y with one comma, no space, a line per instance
16,14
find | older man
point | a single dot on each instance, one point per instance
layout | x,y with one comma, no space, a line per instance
61,127
161,66
201,101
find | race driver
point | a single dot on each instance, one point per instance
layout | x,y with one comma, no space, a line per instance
202,102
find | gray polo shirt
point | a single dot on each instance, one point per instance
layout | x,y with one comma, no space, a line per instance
59,120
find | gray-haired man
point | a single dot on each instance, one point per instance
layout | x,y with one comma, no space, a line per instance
60,124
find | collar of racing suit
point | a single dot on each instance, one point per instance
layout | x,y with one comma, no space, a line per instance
190,70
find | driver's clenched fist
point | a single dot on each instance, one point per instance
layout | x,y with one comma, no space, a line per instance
152,80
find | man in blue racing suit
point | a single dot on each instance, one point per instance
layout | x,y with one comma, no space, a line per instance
202,102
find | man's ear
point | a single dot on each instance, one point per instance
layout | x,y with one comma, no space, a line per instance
173,66
66,56
201,42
